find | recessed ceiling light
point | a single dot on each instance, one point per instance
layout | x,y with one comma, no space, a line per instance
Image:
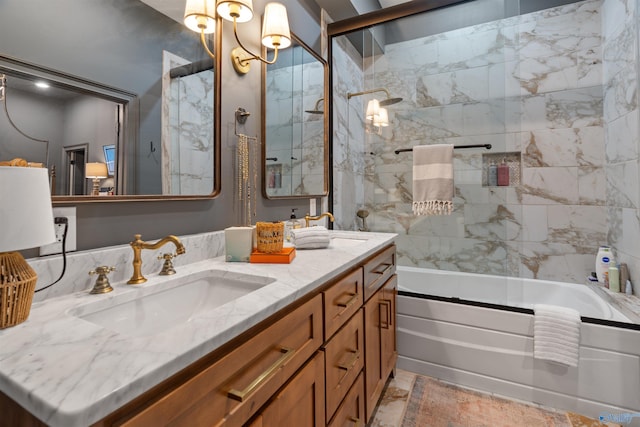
42,85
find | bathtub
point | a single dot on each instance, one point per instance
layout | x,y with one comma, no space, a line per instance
451,326
507,291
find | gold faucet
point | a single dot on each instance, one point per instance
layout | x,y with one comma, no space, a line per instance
138,245
308,218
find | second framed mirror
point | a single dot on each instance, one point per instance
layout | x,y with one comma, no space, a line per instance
295,124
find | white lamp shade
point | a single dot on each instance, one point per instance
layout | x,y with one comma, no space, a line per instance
26,217
373,109
275,27
96,170
200,15
382,119
242,10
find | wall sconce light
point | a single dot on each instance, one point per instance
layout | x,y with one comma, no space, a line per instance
275,30
200,16
27,222
96,171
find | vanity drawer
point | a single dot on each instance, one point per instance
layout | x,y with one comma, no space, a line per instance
341,301
351,411
344,358
232,389
378,269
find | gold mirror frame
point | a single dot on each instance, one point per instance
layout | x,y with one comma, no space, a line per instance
131,118
325,127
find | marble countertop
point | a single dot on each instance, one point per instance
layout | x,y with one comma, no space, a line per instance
70,372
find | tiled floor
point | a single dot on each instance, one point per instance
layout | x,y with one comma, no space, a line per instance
391,411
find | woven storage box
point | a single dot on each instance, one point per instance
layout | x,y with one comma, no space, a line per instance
17,286
270,236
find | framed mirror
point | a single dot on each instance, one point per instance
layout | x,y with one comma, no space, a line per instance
295,152
132,93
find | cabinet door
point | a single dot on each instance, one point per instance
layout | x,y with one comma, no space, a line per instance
380,341
344,356
301,402
351,411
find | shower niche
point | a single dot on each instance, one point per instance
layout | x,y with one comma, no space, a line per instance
501,169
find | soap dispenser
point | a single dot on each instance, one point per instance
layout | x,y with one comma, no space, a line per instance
291,224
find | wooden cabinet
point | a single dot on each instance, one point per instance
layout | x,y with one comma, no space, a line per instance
300,403
380,341
232,389
344,361
351,412
324,360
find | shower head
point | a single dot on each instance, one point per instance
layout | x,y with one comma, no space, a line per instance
316,109
389,101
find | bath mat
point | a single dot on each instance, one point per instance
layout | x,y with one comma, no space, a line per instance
436,404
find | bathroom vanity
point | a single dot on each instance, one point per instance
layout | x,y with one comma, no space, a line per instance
308,343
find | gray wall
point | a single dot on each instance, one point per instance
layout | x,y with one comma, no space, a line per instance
105,224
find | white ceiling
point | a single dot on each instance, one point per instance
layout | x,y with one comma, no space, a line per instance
172,8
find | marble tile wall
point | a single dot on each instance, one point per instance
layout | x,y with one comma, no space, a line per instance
294,133
187,130
349,138
620,77
533,84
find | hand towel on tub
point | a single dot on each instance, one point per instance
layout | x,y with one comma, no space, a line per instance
433,179
556,334
316,237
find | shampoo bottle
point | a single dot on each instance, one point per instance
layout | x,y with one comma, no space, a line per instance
604,259
503,173
492,175
614,279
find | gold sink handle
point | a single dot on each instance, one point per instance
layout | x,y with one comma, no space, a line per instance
102,285
167,266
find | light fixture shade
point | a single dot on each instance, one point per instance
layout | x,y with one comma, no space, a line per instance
26,216
96,170
275,27
373,109
200,15
382,119
242,10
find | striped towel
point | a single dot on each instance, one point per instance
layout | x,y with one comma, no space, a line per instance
556,334
316,237
433,179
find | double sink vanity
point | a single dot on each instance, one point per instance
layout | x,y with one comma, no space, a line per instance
218,343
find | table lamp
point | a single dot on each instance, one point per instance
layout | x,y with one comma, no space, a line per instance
96,171
26,221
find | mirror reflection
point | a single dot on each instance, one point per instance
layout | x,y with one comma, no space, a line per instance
130,112
295,124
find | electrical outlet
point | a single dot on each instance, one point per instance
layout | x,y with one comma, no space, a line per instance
59,217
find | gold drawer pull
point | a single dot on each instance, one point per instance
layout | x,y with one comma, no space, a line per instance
387,268
387,317
352,362
350,301
357,421
241,396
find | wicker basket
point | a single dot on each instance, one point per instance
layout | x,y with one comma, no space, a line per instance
270,236
17,286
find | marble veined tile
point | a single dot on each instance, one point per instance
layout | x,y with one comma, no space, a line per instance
557,185
577,225
622,138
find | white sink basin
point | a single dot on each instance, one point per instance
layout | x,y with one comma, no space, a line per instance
163,306
342,242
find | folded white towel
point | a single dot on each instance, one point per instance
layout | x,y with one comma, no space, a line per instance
556,334
311,237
